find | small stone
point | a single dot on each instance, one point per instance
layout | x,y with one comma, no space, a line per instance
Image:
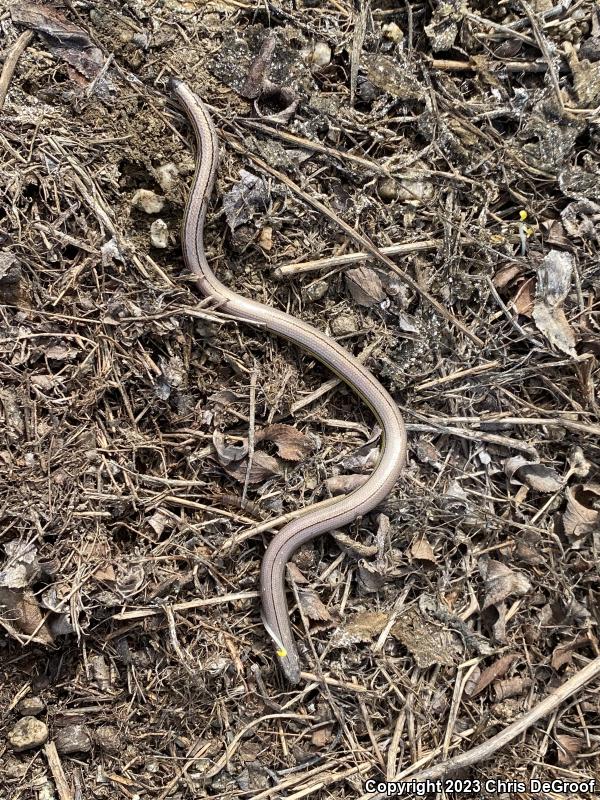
392,32
159,234
388,190
148,201
321,55
31,706
28,733
343,325
108,739
315,291
167,175
73,739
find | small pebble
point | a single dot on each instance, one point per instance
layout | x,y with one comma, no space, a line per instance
148,201
315,291
31,706
27,734
73,739
392,32
108,738
343,324
159,234
388,189
321,55
167,175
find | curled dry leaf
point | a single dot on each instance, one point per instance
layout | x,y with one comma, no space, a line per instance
20,615
568,748
295,575
502,582
578,463
472,680
344,484
492,673
312,606
354,547
365,286
422,550
553,285
66,40
582,515
228,453
371,576
429,643
522,302
536,476
427,452
514,687
292,444
563,653
159,521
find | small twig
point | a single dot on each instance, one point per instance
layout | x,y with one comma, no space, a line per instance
10,63
461,373
56,768
211,601
330,262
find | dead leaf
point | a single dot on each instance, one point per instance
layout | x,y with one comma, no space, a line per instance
502,582
579,218
21,567
365,626
344,484
568,748
553,285
423,551
427,452
582,515
292,444
263,467
578,463
365,286
228,453
354,547
563,653
492,673
65,40
20,614
514,687
322,736
536,476
427,642
522,302
312,606
372,578
265,239
506,274
60,352
159,521
295,574
472,681
246,198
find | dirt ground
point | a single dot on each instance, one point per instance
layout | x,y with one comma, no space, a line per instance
150,445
